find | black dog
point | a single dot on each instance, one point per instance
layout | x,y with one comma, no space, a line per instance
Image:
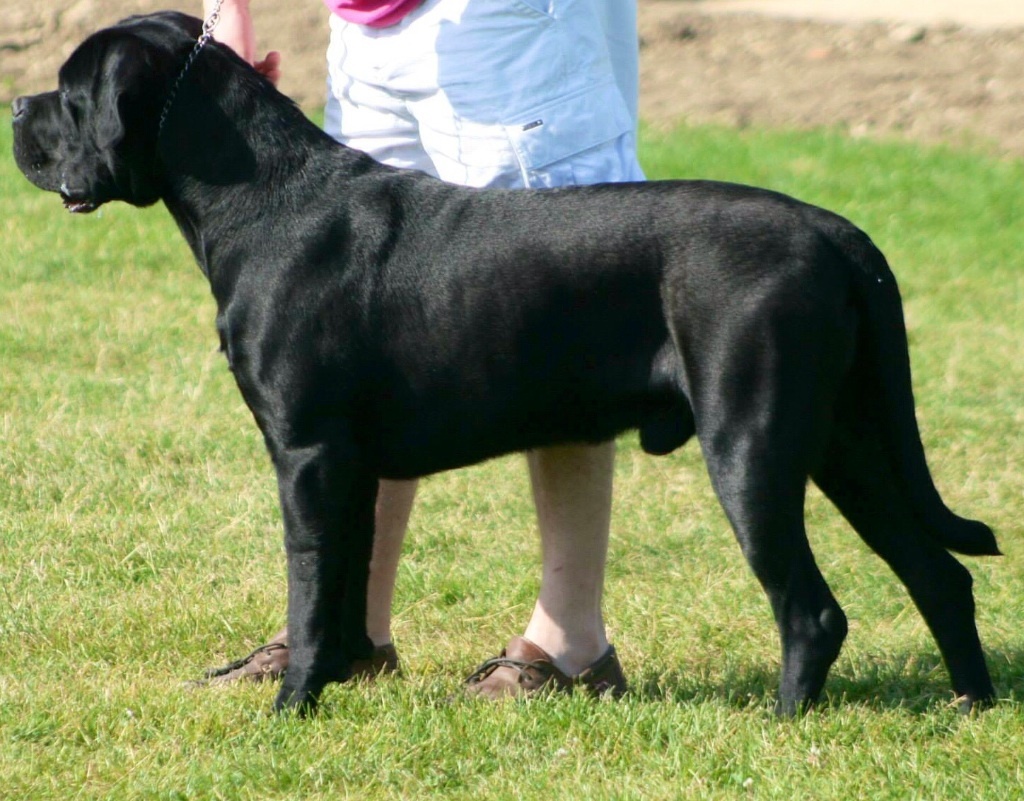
381,323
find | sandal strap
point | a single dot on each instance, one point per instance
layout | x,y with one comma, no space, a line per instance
488,667
525,668
268,648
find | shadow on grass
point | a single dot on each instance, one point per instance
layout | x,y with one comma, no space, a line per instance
913,682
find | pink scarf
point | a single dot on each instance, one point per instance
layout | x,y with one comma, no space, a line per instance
374,13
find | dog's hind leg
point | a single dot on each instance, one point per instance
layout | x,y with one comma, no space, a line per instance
761,404
756,447
857,477
763,497
328,507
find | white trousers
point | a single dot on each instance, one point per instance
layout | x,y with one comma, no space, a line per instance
500,93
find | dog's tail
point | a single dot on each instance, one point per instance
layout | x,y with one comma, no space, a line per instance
885,338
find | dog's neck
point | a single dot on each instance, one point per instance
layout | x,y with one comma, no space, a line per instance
229,150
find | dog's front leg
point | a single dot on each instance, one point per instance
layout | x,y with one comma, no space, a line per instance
327,504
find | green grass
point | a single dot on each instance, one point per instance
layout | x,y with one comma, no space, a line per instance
141,543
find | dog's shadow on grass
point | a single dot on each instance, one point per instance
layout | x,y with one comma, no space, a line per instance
912,682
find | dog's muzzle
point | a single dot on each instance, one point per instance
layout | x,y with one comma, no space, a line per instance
75,202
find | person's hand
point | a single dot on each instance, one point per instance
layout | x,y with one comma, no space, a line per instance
270,67
235,30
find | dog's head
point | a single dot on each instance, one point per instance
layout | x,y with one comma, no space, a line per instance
94,139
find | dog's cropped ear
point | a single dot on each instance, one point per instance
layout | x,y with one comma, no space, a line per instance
108,128
128,122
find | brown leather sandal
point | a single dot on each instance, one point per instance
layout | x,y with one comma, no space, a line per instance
524,668
270,661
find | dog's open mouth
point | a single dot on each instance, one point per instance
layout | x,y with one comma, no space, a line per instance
77,206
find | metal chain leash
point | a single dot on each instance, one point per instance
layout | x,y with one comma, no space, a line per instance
208,25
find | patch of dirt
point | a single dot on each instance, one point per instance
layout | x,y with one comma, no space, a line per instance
938,83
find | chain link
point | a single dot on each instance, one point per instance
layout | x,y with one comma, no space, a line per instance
208,25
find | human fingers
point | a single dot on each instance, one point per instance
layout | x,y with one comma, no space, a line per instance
270,67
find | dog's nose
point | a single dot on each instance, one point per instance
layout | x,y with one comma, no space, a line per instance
19,106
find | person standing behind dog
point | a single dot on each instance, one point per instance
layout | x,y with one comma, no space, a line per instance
488,93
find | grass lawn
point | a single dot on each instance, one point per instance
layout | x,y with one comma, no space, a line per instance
141,543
